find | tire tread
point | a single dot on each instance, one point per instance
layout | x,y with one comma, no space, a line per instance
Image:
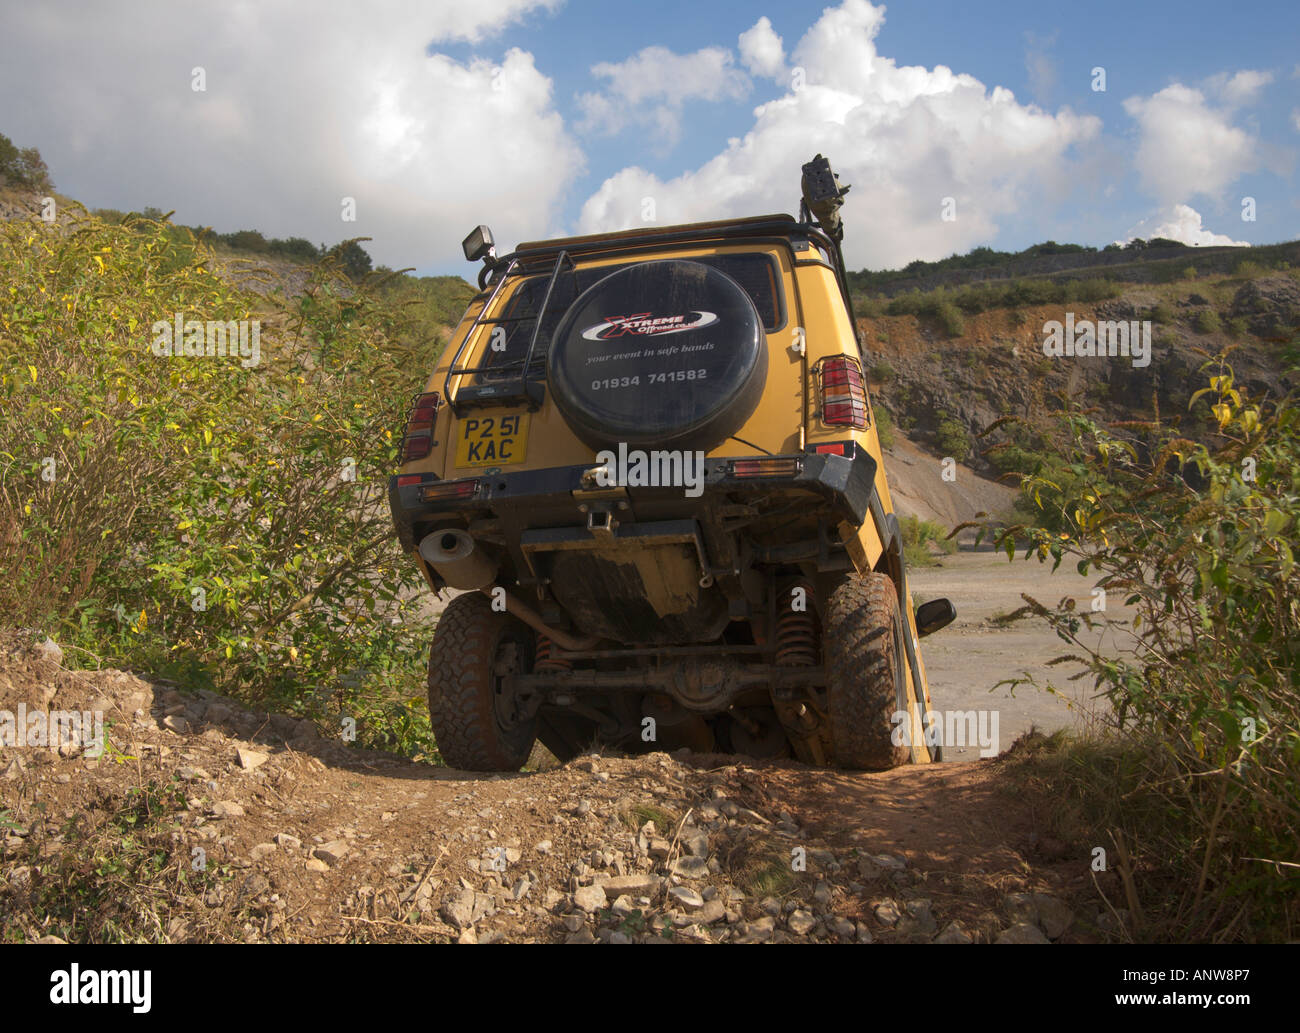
860,624
461,687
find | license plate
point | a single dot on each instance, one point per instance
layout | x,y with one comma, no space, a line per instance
492,440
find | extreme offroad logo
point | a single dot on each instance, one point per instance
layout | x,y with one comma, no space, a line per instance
643,324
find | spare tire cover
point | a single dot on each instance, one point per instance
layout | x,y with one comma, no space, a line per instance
669,353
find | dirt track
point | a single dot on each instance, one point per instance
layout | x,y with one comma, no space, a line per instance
966,660
301,838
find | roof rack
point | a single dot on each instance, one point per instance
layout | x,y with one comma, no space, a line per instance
770,228
605,244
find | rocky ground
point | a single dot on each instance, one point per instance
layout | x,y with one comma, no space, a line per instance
206,821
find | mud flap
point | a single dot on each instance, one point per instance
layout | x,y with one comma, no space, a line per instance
891,535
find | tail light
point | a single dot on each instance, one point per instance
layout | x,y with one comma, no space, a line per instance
775,467
418,441
843,397
451,490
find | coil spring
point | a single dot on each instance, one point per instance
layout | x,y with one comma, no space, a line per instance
796,630
544,661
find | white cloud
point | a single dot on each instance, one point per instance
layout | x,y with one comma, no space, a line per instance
1295,118
1243,87
1187,147
302,108
762,51
1182,223
471,20
652,86
904,137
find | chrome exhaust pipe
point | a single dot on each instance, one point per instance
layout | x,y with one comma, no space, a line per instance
457,559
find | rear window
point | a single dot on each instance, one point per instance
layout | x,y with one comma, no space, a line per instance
757,273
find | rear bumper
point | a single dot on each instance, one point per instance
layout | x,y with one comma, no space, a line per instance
551,497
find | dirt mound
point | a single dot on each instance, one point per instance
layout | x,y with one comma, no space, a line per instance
202,820
918,489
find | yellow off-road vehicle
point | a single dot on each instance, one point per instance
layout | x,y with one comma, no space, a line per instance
650,460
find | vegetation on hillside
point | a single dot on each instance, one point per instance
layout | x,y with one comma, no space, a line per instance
1193,785
884,426
952,439
23,168
946,305
351,257
984,258
921,538
1047,273
206,517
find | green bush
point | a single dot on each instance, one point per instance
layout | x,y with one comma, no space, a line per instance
1049,493
867,308
245,240
974,298
352,259
295,247
908,304
253,241
223,524
1033,292
1207,321
952,438
432,304
23,168
950,319
882,372
1012,458
1091,290
884,426
1161,313
918,536
1203,733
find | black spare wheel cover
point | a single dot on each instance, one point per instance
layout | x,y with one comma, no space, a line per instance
669,353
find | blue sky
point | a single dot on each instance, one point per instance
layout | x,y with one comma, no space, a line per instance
543,117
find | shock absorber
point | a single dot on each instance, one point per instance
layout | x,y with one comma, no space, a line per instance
544,661
796,630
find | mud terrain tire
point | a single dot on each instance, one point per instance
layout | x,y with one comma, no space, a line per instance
866,672
470,713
